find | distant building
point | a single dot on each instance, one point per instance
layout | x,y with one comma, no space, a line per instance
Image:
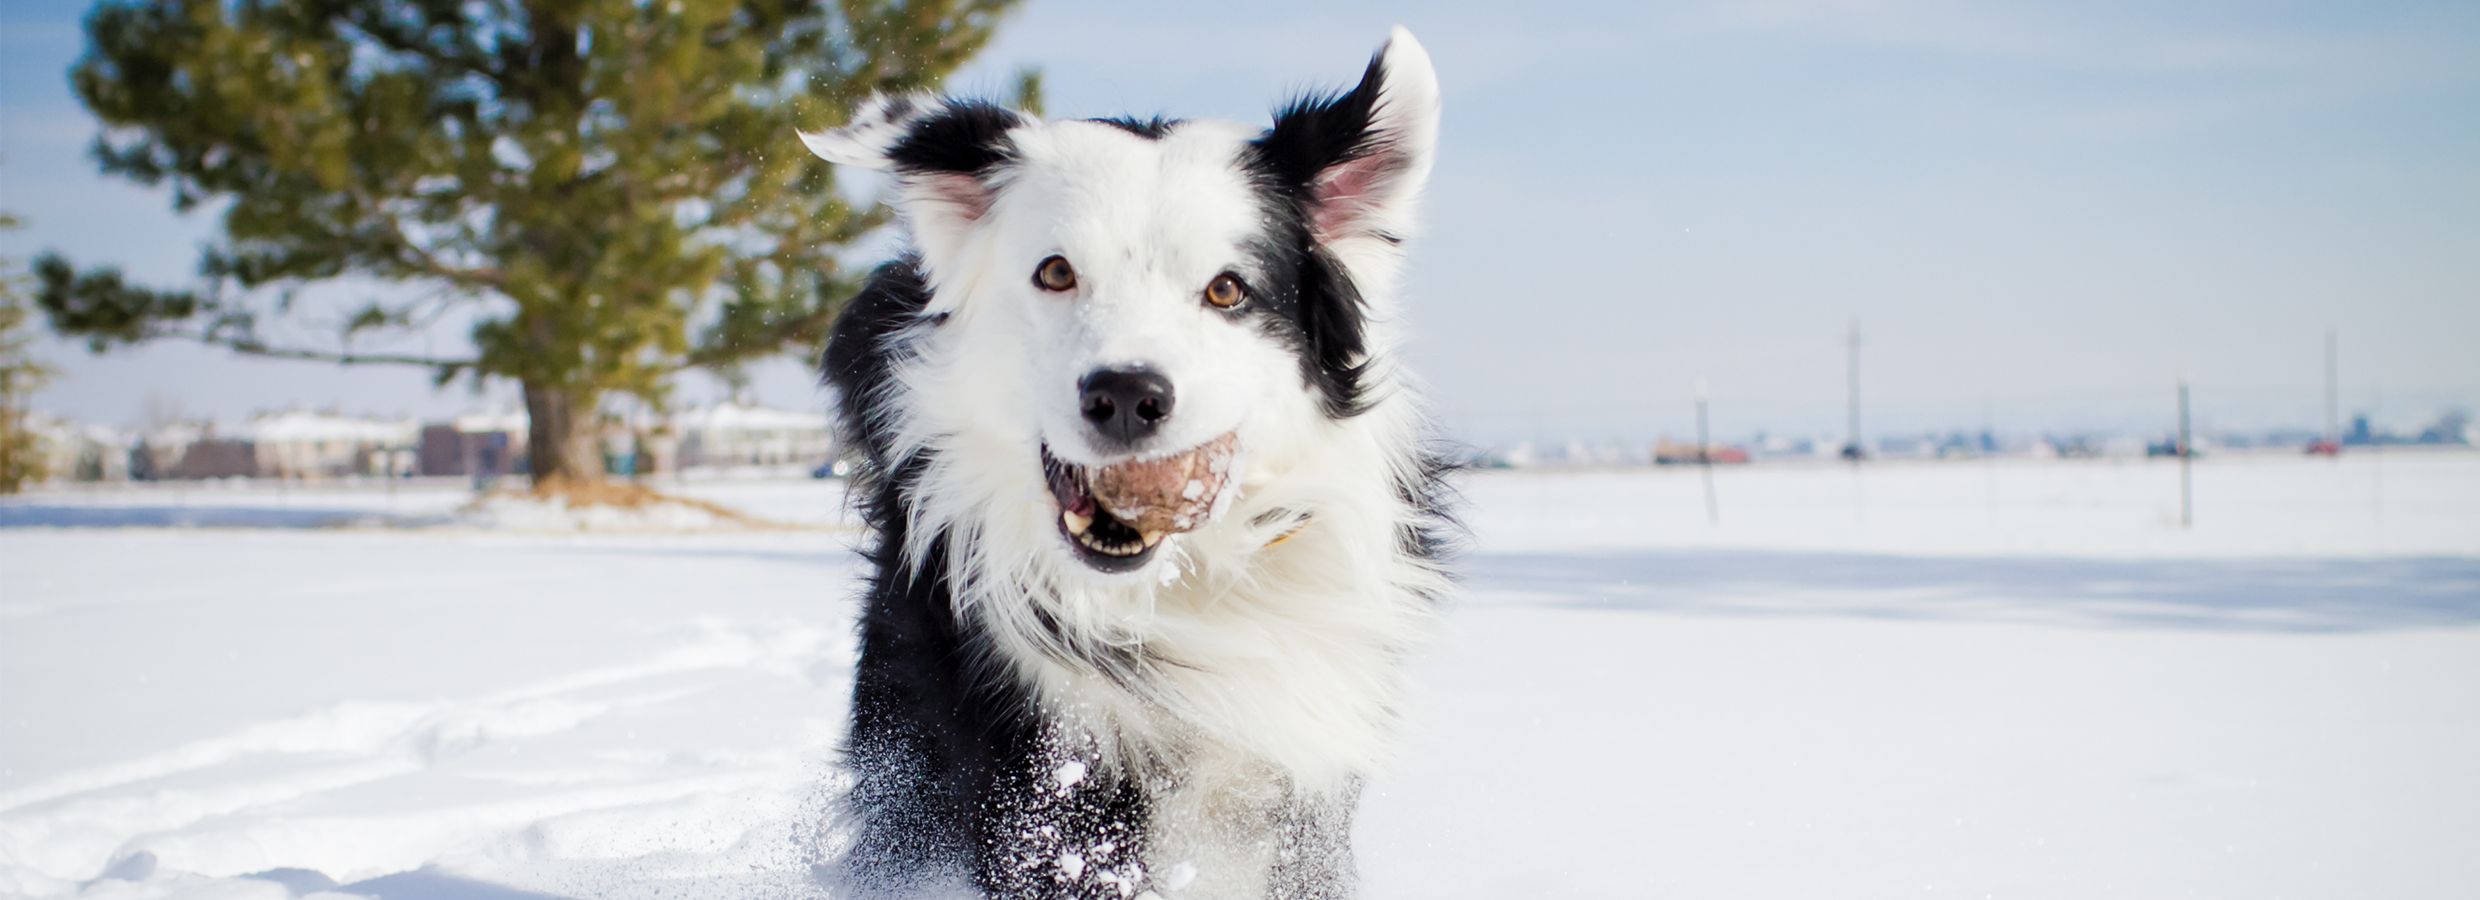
214,457
2452,427
439,451
156,453
75,451
730,435
1906,446
310,445
724,435
302,444
480,445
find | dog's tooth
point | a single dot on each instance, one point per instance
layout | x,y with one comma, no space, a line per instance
1153,537
1076,523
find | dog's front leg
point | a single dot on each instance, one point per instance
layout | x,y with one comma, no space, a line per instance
1057,828
1313,848
1232,828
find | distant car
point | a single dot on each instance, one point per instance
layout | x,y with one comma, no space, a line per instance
1670,454
2325,448
2169,447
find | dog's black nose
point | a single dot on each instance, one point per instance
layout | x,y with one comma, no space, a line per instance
1124,405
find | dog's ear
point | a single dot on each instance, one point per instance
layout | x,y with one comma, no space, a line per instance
1357,160
945,155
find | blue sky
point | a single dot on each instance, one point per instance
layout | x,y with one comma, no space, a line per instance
2041,214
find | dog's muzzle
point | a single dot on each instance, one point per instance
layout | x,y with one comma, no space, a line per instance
1116,515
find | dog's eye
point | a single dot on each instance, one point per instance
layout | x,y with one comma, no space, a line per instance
1054,274
1226,291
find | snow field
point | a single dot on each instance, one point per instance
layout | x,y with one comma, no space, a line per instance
2014,679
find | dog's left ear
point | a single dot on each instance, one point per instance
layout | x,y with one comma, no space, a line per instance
1356,161
946,156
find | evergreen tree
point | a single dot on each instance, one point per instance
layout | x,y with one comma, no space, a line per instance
612,188
21,454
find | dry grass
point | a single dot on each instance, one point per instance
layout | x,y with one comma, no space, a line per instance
573,493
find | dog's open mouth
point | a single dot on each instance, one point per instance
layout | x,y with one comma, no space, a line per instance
1116,515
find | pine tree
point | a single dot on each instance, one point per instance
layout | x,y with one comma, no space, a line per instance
21,453
611,187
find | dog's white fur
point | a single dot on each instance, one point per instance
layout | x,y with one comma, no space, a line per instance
1279,663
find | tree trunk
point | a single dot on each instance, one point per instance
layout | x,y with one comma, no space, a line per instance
560,440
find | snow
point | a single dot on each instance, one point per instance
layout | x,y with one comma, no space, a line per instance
524,512
427,503
1985,679
1069,775
305,426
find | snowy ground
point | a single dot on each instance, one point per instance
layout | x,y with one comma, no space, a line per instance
2013,680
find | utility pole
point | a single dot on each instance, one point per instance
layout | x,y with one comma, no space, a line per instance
2187,453
2333,388
1852,449
1705,457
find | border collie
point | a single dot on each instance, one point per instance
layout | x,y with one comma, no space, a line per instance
1154,515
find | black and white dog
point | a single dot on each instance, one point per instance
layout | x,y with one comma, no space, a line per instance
1154,522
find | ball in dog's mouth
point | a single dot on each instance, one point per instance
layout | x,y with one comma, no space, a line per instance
1115,515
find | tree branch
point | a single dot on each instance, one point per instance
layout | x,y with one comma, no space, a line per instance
421,259
254,347
387,36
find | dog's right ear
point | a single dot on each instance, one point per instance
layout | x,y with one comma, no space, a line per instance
944,153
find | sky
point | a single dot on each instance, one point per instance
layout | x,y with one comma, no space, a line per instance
2042,216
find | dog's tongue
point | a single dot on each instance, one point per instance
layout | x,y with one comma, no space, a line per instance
1168,495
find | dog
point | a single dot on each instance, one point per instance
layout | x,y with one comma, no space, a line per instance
1155,516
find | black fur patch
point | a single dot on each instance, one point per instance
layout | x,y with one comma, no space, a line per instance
1153,129
1303,297
1316,305
965,137
1315,132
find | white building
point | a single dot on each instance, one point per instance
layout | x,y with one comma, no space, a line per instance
306,444
77,451
738,435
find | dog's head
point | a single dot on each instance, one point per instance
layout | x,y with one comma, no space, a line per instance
1129,318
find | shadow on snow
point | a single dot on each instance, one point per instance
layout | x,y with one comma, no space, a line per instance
39,515
2263,595
420,884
